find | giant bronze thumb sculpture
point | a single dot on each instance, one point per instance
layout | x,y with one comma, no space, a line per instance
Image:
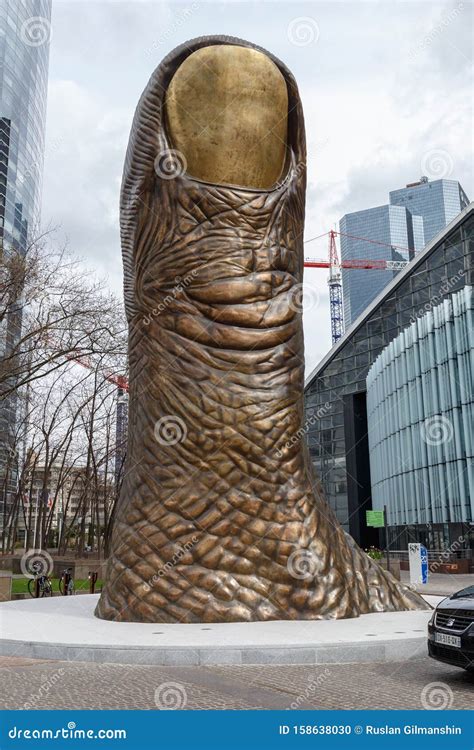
220,517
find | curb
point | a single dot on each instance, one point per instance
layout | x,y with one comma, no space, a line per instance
337,653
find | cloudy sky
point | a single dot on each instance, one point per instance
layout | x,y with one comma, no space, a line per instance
386,88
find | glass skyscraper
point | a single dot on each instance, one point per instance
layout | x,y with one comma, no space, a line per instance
381,233
24,56
438,202
25,30
413,217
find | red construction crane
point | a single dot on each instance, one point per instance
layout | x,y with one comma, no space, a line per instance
121,414
119,380
336,309
356,263
372,265
335,279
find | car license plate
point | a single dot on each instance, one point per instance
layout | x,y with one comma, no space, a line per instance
448,640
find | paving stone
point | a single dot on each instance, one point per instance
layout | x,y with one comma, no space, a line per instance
33,684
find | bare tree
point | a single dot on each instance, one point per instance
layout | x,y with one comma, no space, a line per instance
51,309
60,442
66,481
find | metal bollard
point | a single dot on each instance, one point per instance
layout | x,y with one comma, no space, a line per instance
92,581
66,579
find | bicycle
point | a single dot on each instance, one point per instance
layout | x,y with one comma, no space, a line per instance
66,583
44,584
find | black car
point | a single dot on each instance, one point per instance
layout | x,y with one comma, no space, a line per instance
451,630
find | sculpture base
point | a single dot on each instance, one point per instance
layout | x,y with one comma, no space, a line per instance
65,628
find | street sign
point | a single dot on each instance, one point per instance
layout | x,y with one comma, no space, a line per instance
375,518
418,560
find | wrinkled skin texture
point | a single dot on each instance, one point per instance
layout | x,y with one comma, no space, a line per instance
221,518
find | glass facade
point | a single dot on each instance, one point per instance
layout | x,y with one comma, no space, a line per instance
438,202
420,413
336,389
381,233
25,31
24,57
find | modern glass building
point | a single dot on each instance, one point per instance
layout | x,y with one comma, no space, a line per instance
437,202
25,31
388,233
420,414
337,390
381,233
24,57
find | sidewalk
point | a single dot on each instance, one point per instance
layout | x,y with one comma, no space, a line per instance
441,584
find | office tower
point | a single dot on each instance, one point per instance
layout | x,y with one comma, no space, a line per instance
415,214
386,233
437,202
25,31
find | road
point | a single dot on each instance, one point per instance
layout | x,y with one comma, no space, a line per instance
32,684
441,584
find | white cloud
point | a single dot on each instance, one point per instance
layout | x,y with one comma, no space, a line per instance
83,164
383,84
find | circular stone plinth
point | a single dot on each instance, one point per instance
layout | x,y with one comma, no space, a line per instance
65,628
